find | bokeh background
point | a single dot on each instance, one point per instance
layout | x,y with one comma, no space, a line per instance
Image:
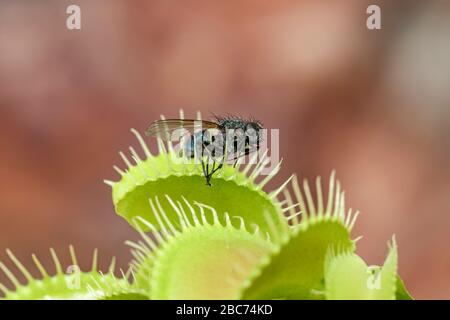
374,105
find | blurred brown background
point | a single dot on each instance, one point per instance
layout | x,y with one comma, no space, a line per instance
374,105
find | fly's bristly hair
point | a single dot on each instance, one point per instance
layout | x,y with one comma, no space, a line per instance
230,121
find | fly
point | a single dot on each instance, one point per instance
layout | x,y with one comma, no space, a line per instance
226,138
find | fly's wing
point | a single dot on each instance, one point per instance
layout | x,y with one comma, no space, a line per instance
165,128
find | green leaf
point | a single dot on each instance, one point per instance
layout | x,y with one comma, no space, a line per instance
296,270
75,284
347,277
201,261
233,190
402,293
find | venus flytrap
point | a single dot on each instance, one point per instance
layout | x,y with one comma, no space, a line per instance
234,190
294,270
201,259
70,284
348,277
232,240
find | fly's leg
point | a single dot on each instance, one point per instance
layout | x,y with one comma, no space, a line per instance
236,159
206,172
203,169
214,170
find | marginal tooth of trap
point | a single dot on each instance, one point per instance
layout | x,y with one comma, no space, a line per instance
337,198
199,115
109,183
123,274
56,261
138,256
112,265
125,160
288,201
9,275
330,194
242,222
144,248
135,156
352,223
348,217
19,265
178,212
193,214
393,243
161,146
183,214
295,216
215,216
91,290
156,234
239,163
227,219
357,239
275,193
319,197
144,146
299,198
141,169
309,200
136,246
272,174
94,260
202,213
289,208
213,212
135,265
158,218
39,266
133,275
98,285
181,114
263,161
250,163
3,289
274,232
164,215
256,230
259,169
168,141
149,241
342,207
119,171
73,256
